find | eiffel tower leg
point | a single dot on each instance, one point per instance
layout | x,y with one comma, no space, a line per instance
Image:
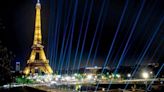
26,70
31,60
42,56
44,70
47,67
33,71
32,56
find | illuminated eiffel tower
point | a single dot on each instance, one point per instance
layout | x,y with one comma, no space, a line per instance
37,61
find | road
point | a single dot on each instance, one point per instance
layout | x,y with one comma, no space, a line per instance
56,86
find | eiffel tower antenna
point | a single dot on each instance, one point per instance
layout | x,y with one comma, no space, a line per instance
37,60
38,1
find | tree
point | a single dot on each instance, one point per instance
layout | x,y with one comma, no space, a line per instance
6,57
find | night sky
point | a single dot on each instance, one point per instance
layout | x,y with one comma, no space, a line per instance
136,25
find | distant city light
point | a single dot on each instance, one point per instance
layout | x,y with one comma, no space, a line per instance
118,75
73,78
75,74
89,76
103,89
67,77
58,76
95,67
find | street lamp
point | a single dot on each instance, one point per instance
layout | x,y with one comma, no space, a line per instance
89,77
129,75
118,75
145,75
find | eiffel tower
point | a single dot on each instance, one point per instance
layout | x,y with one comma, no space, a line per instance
37,61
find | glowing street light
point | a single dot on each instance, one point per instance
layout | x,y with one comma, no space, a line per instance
118,75
145,75
67,78
75,74
110,76
128,75
89,77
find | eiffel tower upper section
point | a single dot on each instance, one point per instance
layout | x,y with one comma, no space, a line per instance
37,34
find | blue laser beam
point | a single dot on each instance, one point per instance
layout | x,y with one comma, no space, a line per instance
50,33
155,76
85,34
72,29
114,61
65,50
97,45
131,33
52,46
146,49
156,51
95,54
136,63
150,42
111,47
134,68
64,37
78,43
127,43
58,28
62,61
95,33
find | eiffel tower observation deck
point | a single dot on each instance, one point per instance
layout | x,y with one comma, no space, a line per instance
37,61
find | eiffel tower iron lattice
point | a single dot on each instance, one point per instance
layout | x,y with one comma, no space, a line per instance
37,60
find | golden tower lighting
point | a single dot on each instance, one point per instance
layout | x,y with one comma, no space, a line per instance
37,60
